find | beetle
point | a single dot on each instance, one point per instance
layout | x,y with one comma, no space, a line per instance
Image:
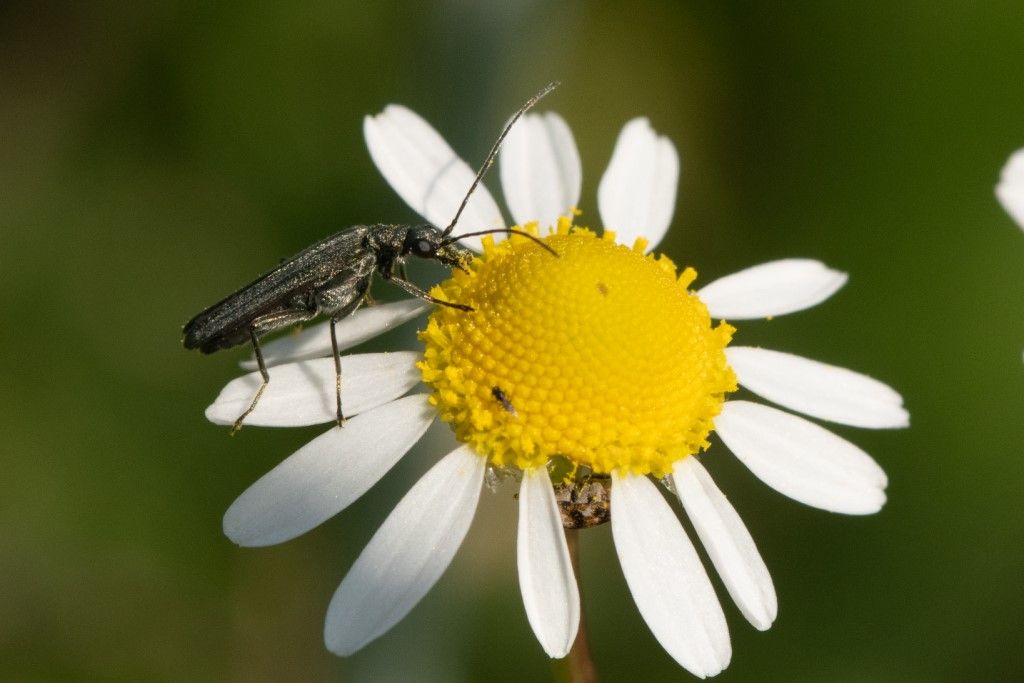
584,504
332,278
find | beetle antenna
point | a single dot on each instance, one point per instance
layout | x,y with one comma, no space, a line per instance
509,231
489,161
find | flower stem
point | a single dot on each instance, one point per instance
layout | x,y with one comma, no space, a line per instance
577,667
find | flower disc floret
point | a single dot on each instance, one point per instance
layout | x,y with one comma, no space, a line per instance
601,355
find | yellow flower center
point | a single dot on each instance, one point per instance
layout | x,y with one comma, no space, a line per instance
600,355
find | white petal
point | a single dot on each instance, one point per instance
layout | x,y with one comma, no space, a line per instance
546,579
1010,190
802,460
315,341
728,543
665,576
772,288
541,172
326,475
408,553
637,194
303,393
426,172
817,389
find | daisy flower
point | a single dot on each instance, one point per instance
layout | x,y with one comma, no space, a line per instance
603,361
1010,190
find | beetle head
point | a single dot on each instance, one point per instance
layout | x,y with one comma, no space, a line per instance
426,241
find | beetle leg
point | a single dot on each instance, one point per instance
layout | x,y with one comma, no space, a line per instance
417,292
341,300
337,372
261,326
345,311
263,387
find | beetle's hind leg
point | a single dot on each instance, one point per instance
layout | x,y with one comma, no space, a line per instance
263,387
260,326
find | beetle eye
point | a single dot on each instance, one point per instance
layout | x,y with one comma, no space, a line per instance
423,247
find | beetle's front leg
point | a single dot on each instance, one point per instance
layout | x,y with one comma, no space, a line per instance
417,292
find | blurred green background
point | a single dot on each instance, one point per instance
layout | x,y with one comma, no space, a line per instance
153,157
